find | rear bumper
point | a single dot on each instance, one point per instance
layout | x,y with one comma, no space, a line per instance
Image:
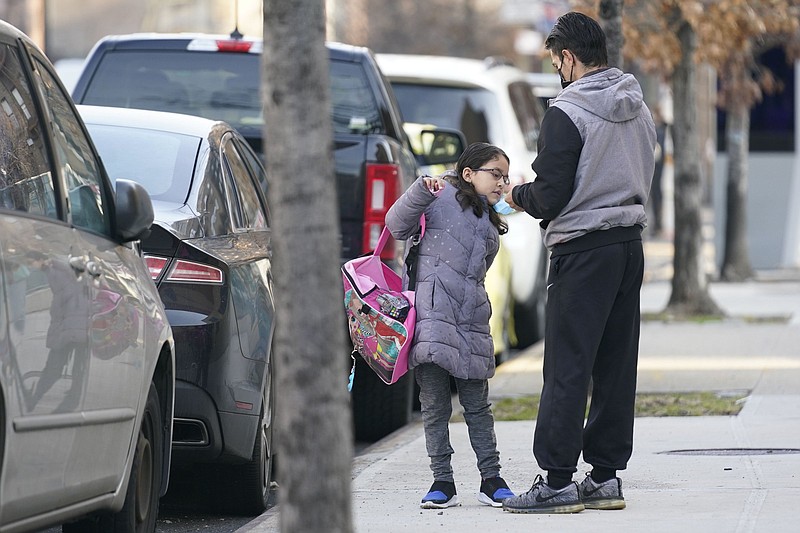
202,434
214,381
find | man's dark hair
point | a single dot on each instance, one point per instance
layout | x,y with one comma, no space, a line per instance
582,36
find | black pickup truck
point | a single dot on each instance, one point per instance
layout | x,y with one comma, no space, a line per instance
218,77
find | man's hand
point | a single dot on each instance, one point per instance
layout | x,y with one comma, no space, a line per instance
510,200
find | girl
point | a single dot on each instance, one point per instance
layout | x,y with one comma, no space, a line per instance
452,331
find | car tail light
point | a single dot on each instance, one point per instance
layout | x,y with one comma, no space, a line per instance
225,45
380,193
194,272
183,271
234,46
155,265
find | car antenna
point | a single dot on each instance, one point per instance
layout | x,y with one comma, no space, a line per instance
236,34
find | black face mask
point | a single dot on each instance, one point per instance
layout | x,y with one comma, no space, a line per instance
564,82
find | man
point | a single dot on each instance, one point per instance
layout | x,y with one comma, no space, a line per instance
594,170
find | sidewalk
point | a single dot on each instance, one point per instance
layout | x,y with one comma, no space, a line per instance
742,473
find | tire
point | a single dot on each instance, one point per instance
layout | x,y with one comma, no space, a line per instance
244,489
378,408
505,354
529,317
140,510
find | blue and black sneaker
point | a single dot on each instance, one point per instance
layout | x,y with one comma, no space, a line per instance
442,494
493,491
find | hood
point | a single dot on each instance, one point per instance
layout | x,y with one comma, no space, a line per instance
610,94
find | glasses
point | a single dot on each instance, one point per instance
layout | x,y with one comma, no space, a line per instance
496,172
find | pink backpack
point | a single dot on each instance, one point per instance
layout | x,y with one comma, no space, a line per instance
380,314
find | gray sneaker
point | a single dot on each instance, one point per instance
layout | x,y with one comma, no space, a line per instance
606,495
543,499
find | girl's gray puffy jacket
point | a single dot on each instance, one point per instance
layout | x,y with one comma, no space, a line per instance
453,309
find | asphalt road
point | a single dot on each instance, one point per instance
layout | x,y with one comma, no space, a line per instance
191,510
189,506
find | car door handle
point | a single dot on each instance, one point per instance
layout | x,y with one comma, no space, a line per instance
93,269
77,263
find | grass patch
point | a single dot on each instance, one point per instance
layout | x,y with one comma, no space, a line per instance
768,319
706,319
647,404
689,404
670,317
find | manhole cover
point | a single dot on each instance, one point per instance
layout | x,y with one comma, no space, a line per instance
734,451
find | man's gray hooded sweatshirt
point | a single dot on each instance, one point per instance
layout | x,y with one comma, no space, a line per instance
595,164
452,307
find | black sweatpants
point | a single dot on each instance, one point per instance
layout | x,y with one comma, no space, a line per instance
591,334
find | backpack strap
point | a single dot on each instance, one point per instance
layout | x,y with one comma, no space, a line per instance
412,258
385,234
382,240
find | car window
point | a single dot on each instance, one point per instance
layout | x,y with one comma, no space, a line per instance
474,111
528,111
26,183
215,85
248,213
81,171
219,86
165,172
257,169
352,100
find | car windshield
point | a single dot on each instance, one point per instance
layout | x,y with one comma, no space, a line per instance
220,86
214,85
474,111
166,170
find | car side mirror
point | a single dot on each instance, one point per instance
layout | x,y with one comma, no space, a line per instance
435,146
134,210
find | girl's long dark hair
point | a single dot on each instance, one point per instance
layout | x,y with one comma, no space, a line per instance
475,156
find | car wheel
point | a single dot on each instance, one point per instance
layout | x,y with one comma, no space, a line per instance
529,317
245,490
140,510
378,408
505,354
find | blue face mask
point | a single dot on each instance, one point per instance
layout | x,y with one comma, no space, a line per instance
503,208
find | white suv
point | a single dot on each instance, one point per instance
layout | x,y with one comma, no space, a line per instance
489,101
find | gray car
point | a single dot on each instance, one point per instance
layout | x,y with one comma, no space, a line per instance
88,372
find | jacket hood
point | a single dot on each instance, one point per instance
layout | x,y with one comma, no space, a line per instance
610,94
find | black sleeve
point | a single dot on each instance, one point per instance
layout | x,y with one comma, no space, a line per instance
559,150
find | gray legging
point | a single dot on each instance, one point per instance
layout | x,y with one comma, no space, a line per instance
434,396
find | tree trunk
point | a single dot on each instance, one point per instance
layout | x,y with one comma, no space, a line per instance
690,294
736,263
611,20
314,428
